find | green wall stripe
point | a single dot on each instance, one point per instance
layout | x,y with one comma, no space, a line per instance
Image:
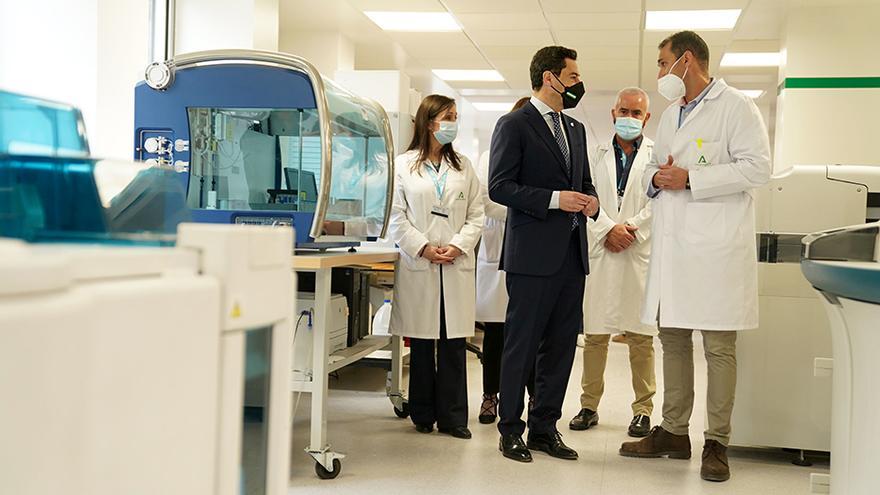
829,83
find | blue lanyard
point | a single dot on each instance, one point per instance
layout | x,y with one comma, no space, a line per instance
620,183
439,182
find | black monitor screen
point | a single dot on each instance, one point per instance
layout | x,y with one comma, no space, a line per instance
303,182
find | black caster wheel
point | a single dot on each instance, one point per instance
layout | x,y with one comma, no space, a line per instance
402,413
322,472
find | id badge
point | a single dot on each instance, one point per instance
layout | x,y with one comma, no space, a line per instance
440,211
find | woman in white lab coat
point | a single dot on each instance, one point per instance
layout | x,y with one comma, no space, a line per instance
492,292
436,219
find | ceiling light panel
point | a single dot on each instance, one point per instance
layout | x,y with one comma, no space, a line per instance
672,20
436,22
468,75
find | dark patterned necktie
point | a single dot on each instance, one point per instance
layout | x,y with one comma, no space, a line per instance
563,147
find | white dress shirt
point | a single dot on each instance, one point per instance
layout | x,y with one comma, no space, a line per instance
545,112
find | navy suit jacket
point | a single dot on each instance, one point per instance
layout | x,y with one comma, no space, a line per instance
525,167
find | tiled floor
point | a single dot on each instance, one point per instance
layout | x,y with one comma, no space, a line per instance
387,456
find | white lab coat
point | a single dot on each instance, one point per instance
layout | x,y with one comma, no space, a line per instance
616,285
491,285
416,308
703,272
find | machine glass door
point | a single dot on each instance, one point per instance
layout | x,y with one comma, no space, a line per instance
254,159
361,157
255,431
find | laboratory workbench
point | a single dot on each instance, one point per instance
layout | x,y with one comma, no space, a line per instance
328,462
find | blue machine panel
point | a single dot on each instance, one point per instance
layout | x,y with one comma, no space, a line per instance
163,114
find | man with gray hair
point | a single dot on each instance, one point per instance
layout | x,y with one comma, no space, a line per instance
620,246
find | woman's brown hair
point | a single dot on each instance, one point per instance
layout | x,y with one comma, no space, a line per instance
520,103
431,107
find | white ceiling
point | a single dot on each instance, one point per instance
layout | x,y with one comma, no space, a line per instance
614,51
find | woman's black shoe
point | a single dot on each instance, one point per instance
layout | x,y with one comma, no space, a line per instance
489,409
457,431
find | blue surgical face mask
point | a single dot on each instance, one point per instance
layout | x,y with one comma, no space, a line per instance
447,133
628,128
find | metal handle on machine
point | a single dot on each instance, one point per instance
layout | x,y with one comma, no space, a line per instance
389,148
278,60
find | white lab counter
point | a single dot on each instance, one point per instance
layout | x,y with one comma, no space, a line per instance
850,292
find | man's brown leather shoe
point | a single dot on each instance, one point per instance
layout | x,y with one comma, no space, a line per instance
715,466
659,443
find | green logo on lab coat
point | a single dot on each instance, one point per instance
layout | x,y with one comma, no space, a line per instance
460,196
702,160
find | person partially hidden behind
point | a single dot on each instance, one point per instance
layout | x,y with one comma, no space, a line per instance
620,244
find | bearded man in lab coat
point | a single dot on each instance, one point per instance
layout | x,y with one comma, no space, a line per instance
620,244
711,153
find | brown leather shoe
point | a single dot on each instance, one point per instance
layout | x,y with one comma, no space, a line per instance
659,443
715,467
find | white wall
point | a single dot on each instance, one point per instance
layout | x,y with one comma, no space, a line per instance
122,56
48,49
222,24
328,51
88,53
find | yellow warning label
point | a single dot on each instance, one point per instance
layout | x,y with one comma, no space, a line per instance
236,311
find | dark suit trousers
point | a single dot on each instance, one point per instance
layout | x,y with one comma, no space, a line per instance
544,317
493,347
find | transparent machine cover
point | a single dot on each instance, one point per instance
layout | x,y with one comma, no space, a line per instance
266,159
51,190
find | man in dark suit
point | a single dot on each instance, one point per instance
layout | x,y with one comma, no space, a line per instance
538,169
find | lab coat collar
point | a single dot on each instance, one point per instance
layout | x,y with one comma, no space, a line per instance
717,87
445,166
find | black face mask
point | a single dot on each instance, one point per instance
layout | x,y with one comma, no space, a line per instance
571,95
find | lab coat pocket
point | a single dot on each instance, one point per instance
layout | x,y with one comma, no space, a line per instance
458,196
419,264
465,263
705,223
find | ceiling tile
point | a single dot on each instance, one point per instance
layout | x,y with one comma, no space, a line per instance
565,6
599,38
506,52
610,80
492,6
478,85
587,66
468,60
591,52
503,21
397,5
537,37
596,20
432,40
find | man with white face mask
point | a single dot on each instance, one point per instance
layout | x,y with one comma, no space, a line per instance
620,243
711,152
